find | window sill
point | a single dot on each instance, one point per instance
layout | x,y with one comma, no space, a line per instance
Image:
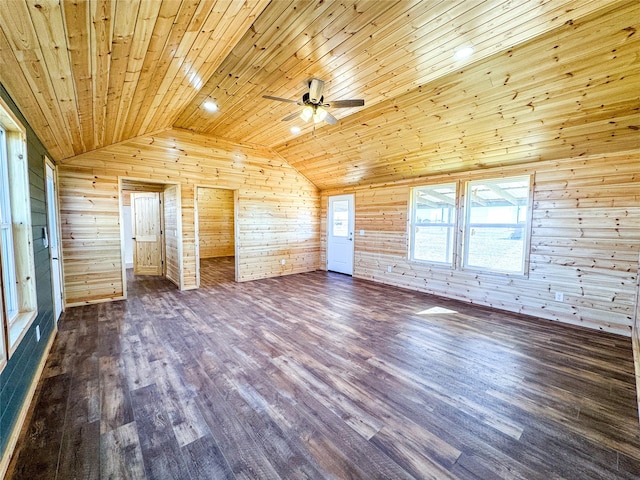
496,273
432,263
19,328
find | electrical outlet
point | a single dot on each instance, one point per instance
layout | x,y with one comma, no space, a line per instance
283,261
389,269
559,297
37,333
361,233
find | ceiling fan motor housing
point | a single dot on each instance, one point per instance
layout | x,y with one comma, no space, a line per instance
307,101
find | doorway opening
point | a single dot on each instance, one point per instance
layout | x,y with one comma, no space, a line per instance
151,230
216,235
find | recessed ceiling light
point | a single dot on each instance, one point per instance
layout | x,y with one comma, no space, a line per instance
210,106
295,130
463,53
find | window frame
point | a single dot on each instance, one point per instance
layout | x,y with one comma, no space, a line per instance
467,226
15,327
7,253
453,224
461,223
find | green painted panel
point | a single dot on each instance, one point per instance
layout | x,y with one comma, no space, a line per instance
19,372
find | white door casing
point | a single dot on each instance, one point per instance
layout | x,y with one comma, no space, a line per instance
53,240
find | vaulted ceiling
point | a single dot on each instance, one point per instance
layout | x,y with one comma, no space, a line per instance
548,79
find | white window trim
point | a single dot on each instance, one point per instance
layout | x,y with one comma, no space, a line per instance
20,200
465,227
8,264
461,221
413,224
3,349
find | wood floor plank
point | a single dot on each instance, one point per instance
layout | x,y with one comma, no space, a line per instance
205,460
114,395
41,440
159,448
321,375
82,446
121,455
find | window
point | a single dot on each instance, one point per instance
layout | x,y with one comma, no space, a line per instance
19,303
496,225
493,230
7,255
433,223
340,218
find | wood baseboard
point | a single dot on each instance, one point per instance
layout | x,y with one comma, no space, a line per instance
92,302
15,433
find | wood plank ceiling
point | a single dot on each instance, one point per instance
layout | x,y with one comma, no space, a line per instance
548,78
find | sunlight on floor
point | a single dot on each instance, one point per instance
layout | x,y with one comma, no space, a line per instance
435,310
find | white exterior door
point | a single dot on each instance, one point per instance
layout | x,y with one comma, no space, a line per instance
340,234
54,245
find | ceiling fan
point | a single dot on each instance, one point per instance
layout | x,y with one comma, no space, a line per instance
314,106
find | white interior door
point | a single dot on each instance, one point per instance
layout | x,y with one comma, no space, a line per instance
54,245
340,234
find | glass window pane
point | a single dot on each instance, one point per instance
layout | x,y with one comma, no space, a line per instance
340,218
433,219
433,244
500,249
9,272
497,215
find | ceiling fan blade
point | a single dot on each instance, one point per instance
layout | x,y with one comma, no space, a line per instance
269,97
291,116
347,103
330,119
315,90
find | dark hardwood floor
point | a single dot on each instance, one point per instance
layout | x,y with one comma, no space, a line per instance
320,375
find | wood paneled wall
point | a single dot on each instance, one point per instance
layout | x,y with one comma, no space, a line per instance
215,222
585,242
172,234
278,209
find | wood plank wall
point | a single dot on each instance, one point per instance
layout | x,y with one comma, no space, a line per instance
215,222
585,242
171,234
278,209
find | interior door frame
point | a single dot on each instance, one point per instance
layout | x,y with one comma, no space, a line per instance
352,226
56,207
123,266
236,230
180,284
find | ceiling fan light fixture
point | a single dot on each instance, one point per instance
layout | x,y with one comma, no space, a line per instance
319,115
307,113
